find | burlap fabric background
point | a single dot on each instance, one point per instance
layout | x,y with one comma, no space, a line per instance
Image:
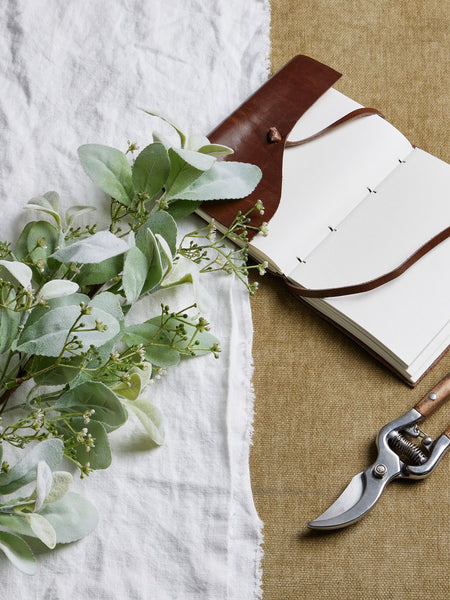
320,400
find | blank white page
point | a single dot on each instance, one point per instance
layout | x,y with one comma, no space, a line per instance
325,179
409,208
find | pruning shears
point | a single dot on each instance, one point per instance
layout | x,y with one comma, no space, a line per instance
399,457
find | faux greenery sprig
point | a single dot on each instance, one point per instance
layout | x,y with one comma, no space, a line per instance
71,366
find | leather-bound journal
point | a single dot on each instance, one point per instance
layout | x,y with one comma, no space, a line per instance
358,217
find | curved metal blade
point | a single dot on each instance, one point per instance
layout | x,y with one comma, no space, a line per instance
359,496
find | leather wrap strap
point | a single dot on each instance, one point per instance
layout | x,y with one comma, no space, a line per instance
365,286
355,114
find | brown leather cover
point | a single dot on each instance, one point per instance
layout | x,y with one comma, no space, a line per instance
258,131
278,103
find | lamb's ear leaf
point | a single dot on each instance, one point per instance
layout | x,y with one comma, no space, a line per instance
18,552
61,483
179,209
92,250
93,395
42,528
186,166
9,323
76,211
44,480
99,457
135,272
215,150
150,417
48,203
21,272
48,335
224,181
109,169
72,518
151,169
181,135
24,471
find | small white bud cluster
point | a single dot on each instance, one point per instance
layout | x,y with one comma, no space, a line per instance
87,416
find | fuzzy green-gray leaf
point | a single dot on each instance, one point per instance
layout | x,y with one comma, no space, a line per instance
18,552
40,311
156,343
43,483
177,129
99,457
73,517
100,272
109,303
151,169
93,395
135,272
163,223
42,529
61,483
94,249
204,340
73,212
150,417
48,203
51,451
109,169
185,167
224,181
48,335
150,248
9,323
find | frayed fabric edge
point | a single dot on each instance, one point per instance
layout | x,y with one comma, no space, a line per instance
259,552
267,10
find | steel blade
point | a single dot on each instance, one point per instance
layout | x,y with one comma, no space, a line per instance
359,496
349,497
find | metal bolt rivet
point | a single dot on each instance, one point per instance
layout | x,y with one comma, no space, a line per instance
380,471
432,396
427,441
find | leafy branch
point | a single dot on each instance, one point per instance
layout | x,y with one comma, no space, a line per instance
65,293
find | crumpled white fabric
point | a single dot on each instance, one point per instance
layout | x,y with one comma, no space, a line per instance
176,522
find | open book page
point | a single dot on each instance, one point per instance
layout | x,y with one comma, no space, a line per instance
406,210
325,179
405,321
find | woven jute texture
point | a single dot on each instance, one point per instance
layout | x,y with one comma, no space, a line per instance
320,399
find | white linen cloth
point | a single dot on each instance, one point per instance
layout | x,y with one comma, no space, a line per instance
176,522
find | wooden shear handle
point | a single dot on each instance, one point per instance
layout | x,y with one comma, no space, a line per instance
434,398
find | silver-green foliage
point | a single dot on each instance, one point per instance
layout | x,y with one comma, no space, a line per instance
48,513
65,292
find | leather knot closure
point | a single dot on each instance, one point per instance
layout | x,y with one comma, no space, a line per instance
274,136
